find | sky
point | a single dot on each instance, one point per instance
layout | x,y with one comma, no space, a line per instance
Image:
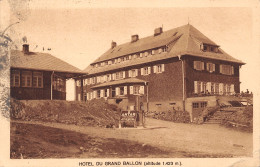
80,35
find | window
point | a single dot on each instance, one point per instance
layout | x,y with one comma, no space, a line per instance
203,104
26,79
195,105
88,81
119,75
121,92
198,65
226,69
98,79
93,80
98,93
113,92
205,47
210,67
209,48
136,90
106,93
146,71
59,83
133,73
164,49
217,88
158,68
15,78
153,52
37,79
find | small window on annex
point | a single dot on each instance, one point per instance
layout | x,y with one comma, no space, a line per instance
37,79
59,83
15,78
195,105
26,79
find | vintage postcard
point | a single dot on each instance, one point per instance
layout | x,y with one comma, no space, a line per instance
128,83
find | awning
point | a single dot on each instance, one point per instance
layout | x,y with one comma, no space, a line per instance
121,82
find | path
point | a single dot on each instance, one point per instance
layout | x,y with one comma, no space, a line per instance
207,139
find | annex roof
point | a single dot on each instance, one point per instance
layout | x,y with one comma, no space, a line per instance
120,82
185,40
41,61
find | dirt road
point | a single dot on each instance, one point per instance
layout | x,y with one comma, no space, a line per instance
169,136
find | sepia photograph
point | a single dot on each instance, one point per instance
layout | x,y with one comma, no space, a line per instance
129,84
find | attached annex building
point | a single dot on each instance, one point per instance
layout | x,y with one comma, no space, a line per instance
38,76
169,70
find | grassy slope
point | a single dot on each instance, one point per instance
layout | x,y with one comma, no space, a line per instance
93,113
36,141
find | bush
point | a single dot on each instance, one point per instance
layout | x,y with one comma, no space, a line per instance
174,116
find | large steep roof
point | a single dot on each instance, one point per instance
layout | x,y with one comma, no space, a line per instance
186,41
41,61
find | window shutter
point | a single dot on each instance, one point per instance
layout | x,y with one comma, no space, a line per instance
195,86
214,67
87,96
213,88
131,90
149,70
232,70
129,74
141,90
220,68
232,89
209,87
102,93
130,57
162,67
154,69
142,71
136,72
114,76
202,64
123,74
125,90
95,94
107,92
117,91
208,67
221,87
195,65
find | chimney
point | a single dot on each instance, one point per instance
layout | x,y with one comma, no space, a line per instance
134,38
25,48
113,44
158,31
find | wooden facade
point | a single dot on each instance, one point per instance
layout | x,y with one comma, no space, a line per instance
173,66
47,90
39,76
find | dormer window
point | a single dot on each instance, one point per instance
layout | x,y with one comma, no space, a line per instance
164,49
209,48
